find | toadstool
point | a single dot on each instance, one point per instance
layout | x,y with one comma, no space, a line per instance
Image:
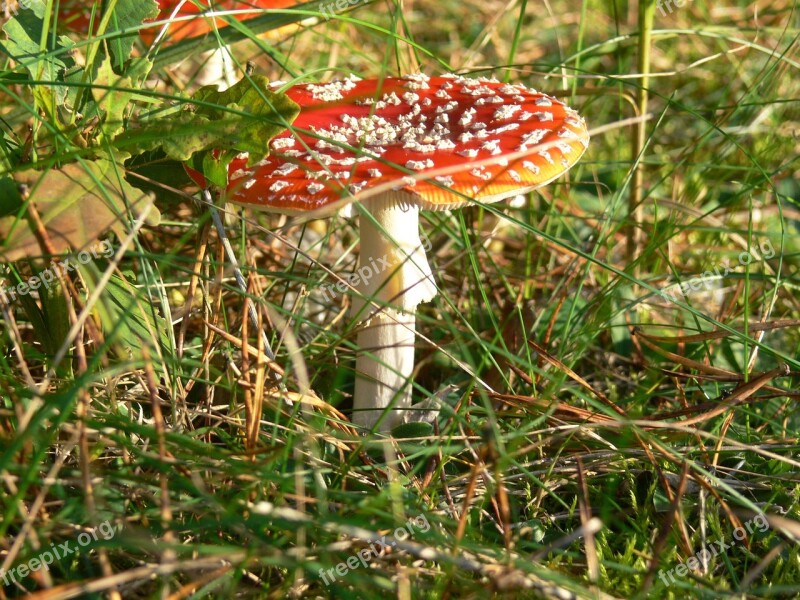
425,143
182,19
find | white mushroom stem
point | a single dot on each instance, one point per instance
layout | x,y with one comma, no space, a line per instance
393,277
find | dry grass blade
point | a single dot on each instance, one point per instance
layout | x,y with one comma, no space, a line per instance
574,376
737,397
673,516
719,334
688,362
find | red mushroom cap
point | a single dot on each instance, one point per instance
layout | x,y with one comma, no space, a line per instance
200,26
76,14
441,140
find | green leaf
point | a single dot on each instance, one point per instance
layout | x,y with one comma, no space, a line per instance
76,204
10,199
45,57
55,314
214,169
415,429
130,319
243,118
267,114
128,15
114,101
51,322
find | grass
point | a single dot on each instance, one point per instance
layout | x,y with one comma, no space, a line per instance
610,409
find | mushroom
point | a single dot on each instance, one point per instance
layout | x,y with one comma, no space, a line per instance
184,20
397,146
184,26
76,16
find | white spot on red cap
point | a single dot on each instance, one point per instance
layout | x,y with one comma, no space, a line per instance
532,167
452,105
506,112
282,143
481,173
419,165
286,168
492,146
277,186
532,138
504,128
564,148
480,90
417,81
466,118
546,155
330,92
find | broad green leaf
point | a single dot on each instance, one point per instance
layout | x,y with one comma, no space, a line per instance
129,319
9,156
55,314
114,101
267,114
214,169
50,322
128,15
10,200
77,204
415,429
243,118
44,57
